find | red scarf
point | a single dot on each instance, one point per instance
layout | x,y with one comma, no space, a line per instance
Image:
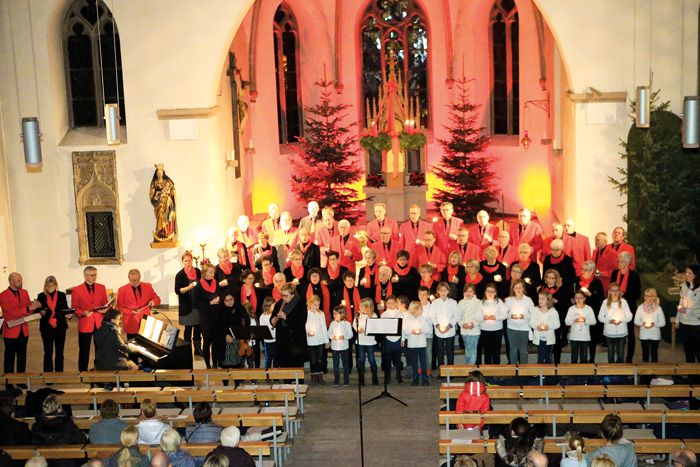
51,302
585,282
333,274
326,299
622,282
553,260
427,284
297,271
491,269
253,297
378,291
551,290
276,295
402,271
239,248
451,272
369,272
303,248
191,274
226,269
478,279
211,288
525,265
267,277
355,302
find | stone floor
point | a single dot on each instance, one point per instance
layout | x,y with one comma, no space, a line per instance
394,435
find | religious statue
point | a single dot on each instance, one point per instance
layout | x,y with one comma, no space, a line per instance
162,195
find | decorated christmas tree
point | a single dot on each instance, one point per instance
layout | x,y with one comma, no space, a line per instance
464,168
325,162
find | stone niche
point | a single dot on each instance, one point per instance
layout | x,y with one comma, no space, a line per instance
97,207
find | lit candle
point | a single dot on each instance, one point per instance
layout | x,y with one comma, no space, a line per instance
381,305
527,279
416,331
442,328
296,280
584,290
417,241
395,278
497,278
616,321
597,272
189,246
505,264
541,327
325,282
517,316
434,219
384,262
338,337
363,281
342,302
432,297
312,333
257,284
648,324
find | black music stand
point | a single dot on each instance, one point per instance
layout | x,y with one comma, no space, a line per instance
384,327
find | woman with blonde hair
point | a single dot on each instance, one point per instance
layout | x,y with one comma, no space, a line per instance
170,444
53,323
603,461
615,313
129,454
574,456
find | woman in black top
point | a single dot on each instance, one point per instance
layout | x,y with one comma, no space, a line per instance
185,281
494,272
53,323
207,300
289,320
333,276
368,275
111,353
311,251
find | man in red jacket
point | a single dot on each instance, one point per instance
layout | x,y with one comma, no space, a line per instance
528,232
135,301
429,253
446,227
349,248
619,245
483,234
15,303
84,298
411,232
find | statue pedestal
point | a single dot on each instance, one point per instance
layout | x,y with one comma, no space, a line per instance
397,197
169,244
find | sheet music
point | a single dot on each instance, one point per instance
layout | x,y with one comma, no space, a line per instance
383,327
148,330
157,329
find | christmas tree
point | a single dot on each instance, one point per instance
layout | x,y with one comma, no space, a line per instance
325,162
661,184
464,168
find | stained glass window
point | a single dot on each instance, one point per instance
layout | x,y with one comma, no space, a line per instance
289,107
505,107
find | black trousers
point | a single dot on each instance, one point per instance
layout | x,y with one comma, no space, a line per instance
194,334
53,338
631,341
84,343
16,347
690,337
650,346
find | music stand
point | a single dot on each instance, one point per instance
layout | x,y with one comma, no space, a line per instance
384,327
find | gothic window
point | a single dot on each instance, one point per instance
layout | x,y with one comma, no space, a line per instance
286,42
92,62
505,101
398,27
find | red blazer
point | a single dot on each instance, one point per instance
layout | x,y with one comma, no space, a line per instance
620,248
606,262
408,235
83,301
436,259
532,235
547,243
269,227
476,238
580,250
442,235
510,256
353,245
384,255
373,229
323,236
127,302
13,308
290,237
471,251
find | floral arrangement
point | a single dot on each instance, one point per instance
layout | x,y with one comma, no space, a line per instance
416,179
205,261
375,180
361,236
411,141
381,142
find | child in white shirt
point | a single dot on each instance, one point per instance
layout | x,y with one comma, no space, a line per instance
580,317
491,315
423,298
340,334
316,338
469,327
415,329
270,344
543,321
615,314
392,350
445,316
519,308
366,344
650,319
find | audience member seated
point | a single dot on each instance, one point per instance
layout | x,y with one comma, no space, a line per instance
55,426
14,432
160,459
620,450
129,454
151,428
38,461
217,461
513,451
574,456
170,444
474,398
203,430
537,459
685,458
603,460
229,448
109,428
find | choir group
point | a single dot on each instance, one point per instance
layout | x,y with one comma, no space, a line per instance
316,285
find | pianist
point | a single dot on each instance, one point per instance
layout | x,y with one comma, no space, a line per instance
111,353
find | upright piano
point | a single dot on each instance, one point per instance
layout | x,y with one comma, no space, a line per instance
159,347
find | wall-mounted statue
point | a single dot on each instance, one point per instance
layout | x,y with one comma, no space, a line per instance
162,196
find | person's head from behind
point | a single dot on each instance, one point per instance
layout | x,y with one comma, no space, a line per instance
216,461
170,441
230,436
202,412
129,436
577,444
603,460
536,459
684,458
476,377
52,405
611,428
161,459
95,462
37,461
7,408
148,408
464,461
518,426
109,409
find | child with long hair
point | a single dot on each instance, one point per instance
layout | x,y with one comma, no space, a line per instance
340,334
650,319
544,321
492,312
574,456
316,338
270,344
615,314
365,344
580,317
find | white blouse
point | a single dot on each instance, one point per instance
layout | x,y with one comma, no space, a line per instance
580,332
445,312
361,322
316,323
655,317
523,307
411,325
618,312
495,308
342,328
551,318
469,309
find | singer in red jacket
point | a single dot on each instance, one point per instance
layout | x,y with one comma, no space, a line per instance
85,297
483,234
15,303
135,301
411,232
446,227
348,247
528,232
430,254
